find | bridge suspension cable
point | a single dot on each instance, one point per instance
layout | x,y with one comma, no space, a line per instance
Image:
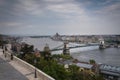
57,47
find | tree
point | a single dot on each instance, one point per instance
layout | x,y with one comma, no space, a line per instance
27,49
46,52
74,70
2,42
29,58
92,61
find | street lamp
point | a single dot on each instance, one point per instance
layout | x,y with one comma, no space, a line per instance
35,61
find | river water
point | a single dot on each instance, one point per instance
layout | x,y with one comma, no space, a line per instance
109,56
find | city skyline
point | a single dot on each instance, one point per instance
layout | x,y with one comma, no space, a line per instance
46,17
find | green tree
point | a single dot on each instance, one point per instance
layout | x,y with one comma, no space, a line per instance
2,42
27,49
29,58
92,61
46,53
74,70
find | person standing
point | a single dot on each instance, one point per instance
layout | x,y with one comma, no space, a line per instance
3,51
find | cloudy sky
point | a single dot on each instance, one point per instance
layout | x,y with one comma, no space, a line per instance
46,17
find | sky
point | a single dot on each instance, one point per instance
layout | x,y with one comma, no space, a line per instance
67,17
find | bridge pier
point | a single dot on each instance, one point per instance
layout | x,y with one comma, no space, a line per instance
102,44
66,49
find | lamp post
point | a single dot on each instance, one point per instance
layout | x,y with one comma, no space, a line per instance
35,61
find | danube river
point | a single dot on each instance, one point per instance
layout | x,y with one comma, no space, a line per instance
109,56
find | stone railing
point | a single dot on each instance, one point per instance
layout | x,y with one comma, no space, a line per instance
40,75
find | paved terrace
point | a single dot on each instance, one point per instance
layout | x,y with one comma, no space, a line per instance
7,72
10,70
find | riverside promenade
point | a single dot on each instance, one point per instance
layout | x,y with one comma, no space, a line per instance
10,70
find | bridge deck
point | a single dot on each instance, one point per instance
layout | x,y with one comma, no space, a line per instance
76,46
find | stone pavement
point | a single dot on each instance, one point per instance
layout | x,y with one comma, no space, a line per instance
10,70
7,72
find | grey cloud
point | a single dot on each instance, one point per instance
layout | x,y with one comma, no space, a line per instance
64,16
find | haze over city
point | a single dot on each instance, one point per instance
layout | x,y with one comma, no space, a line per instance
46,17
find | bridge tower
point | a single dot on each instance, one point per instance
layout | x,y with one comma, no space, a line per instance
102,44
66,49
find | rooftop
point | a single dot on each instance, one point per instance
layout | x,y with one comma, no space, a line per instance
83,65
110,68
110,73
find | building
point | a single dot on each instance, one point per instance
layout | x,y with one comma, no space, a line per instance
85,67
110,72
